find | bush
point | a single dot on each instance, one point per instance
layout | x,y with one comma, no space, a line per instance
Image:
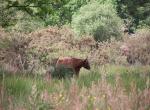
27,25
107,53
99,20
145,23
139,53
13,51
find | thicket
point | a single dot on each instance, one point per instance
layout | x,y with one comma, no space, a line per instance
136,13
13,52
139,53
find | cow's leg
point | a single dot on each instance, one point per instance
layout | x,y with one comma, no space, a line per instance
48,76
77,72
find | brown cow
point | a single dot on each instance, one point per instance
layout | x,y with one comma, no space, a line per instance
74,63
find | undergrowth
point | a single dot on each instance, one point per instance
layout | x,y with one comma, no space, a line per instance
95,89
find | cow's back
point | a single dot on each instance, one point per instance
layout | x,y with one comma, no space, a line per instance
68,62
64,61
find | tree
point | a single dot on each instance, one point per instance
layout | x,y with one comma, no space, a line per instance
98,20
6,15
134,11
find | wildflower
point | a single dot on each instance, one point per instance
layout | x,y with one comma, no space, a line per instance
60,95
103,95
45,96
94,98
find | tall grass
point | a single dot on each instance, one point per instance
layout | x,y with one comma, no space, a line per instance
97,89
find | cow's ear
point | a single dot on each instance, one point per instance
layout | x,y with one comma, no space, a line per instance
86,58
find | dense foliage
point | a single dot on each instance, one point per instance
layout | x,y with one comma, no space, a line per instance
98,20
6,15
135,13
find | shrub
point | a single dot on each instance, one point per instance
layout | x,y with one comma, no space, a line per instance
145,23
107,53
47,44
27,25
99,20
13,51
139,53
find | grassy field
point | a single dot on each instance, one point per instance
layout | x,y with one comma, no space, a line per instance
111,84
112,37
109,87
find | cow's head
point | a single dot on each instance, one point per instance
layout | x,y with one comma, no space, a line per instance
86,64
